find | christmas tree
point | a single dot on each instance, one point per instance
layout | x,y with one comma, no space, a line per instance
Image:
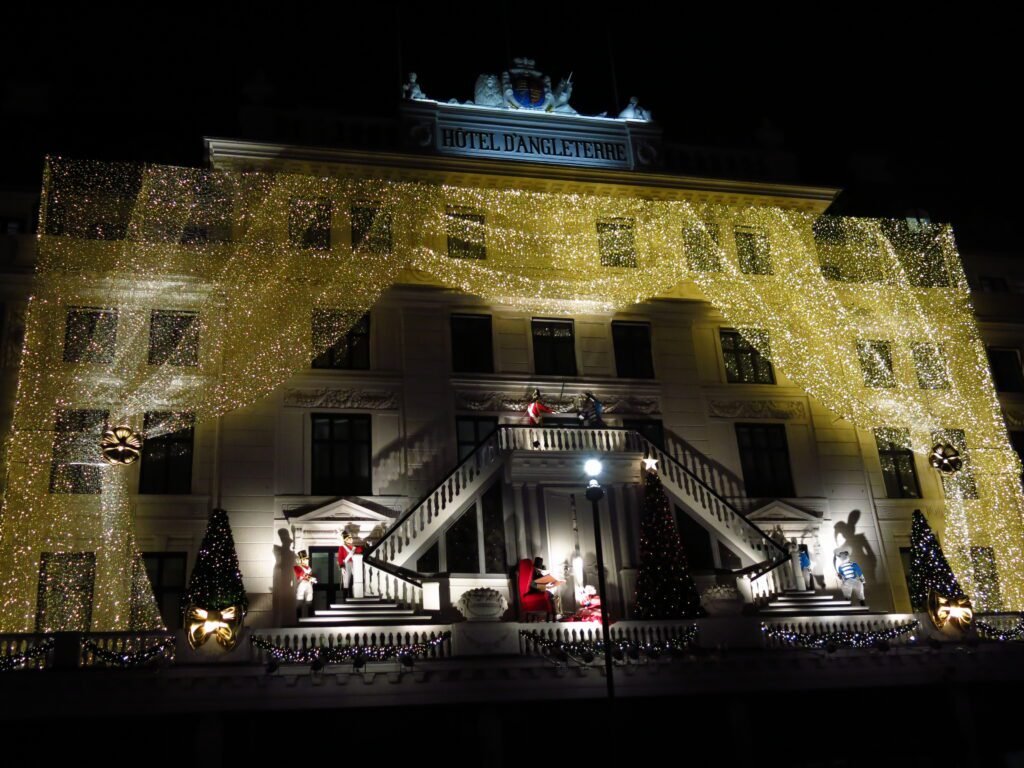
928,567
216,581
665,589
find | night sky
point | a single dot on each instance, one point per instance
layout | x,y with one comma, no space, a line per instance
904,114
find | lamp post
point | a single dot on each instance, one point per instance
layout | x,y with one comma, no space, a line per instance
595,493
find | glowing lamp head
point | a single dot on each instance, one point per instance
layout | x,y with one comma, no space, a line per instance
592,467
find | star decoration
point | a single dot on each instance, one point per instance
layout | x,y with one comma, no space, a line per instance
650,464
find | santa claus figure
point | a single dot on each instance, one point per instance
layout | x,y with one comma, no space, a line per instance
304,581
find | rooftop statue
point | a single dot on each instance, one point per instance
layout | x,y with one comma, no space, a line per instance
562,95
412,90
486,93
634,111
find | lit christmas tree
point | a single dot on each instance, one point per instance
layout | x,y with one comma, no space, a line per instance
928,567
665,589
216,581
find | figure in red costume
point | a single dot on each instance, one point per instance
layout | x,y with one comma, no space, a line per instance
345,553
304,581
536,409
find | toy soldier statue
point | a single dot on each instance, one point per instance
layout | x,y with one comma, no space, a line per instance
304,585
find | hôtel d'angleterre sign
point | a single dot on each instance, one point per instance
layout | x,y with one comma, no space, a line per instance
518,115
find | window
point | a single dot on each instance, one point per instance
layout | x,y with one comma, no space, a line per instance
632,343
554,347
350,350
696,542
75,466
309,223
743,363
475,543
897,460
930,365
166,465
752,251
876,364
703,252
652,429
472,347
764,457
341,455
1017,441
986,592
90,335
462,545
962,484
616,243
173,338
993,284
1006,369
371,228
66,582
919,251
470,431
466,235
847,251
166,571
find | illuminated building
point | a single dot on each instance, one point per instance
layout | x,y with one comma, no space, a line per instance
791,371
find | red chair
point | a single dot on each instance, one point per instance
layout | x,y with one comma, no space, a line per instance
532,603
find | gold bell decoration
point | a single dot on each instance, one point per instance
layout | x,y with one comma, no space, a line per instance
121,445
956,612
224,625
945,458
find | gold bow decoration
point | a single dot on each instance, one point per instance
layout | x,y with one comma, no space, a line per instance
121,445
224,625
953,611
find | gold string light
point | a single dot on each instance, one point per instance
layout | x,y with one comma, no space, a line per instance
186,294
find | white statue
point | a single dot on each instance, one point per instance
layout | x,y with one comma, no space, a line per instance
412,90
562,94
487,93
634,111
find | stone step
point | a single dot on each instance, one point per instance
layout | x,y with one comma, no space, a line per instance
362,621
803,600
372,614
363,606
817,610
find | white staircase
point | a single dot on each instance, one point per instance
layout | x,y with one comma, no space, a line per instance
808,603
366,611
758,553
412,533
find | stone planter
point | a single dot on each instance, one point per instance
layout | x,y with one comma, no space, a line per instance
482,605
723,607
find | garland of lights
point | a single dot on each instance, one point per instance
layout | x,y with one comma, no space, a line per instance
840,638
346,654
166,296
991,632
19,660
131,659
585,650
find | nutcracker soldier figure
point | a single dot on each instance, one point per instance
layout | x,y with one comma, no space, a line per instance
304,581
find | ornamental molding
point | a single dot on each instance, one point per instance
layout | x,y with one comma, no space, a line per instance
512,402
328,397
758,409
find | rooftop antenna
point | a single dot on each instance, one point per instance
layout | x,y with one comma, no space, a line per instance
398,41
615,77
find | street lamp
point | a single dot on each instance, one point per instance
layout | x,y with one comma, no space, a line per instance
595,493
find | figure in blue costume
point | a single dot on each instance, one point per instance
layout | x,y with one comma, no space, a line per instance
851,575
805,567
